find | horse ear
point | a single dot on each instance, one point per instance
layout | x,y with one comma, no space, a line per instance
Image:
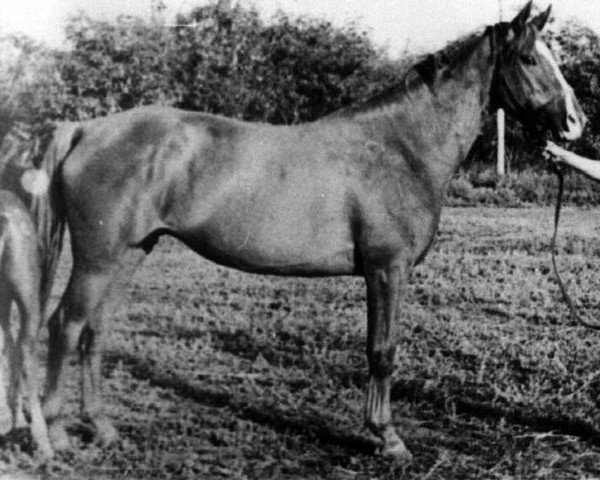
518,23
541,19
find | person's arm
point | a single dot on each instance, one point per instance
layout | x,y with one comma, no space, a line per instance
589,167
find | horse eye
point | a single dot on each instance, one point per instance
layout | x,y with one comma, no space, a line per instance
528,59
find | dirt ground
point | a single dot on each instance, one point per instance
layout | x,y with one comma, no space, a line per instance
215,374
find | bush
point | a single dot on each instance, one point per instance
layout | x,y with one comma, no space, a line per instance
230,62
528,187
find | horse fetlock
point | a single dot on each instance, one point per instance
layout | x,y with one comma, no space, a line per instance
44,446
57,433
102,428
40,434
106,433
51,406
378,414
381,362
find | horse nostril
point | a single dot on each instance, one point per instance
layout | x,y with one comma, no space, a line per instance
571,119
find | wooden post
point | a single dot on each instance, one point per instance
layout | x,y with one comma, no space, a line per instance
501,151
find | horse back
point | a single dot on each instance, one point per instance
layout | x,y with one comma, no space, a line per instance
261,198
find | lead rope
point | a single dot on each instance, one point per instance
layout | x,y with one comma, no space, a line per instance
568,300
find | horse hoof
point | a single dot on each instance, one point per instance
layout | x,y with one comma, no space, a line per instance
393,446
397,452
106,433
44,452
58,436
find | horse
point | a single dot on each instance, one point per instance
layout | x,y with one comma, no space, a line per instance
358,192
20,282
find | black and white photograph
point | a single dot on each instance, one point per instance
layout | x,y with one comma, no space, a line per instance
300,240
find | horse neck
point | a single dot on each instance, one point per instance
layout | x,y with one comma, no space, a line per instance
433,126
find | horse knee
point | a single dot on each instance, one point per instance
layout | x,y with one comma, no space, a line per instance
381,362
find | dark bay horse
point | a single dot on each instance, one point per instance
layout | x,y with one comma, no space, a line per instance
20,282
356,193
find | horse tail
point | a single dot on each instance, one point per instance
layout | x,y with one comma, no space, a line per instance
48,209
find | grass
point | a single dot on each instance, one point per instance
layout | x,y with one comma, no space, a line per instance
211,373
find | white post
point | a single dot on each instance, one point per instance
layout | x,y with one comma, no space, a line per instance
500,153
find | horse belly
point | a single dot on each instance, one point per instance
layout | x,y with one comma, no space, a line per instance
279,241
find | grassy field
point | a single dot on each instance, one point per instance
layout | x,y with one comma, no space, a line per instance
215,374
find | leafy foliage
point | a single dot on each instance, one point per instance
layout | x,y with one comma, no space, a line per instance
31,87
116,66
226,61
578,51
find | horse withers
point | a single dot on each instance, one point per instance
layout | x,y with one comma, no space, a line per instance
358,192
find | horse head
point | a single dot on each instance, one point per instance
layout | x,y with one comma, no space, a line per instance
528,83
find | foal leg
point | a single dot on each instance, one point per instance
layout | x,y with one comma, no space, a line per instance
25,363
385,284
7,420
12,365
78,309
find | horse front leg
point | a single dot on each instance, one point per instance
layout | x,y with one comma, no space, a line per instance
385,286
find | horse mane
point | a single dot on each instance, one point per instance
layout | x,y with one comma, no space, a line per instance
424,71
446,59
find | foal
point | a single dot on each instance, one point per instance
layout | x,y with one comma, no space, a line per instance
21,277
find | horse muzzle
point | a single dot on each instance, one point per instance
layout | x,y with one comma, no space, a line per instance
567,118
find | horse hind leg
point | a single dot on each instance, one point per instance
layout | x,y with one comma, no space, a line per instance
78,324
21,284
25,363
90,346
13,370
77,309
6,418
384,288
